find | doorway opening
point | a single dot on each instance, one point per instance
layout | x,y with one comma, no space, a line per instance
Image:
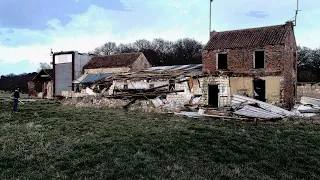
213,96
259,87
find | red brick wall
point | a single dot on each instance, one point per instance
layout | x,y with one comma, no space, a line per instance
290,68
278,58
241,60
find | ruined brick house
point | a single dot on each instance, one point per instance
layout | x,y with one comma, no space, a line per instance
41,86
118,63
257,62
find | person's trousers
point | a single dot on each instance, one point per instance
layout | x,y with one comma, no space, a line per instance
15,105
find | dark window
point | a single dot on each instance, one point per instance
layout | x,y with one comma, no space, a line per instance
222,61
125,86
259,60
151,86
171,85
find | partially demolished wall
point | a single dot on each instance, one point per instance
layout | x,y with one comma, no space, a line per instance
224,89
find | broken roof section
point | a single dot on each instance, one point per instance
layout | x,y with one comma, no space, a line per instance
253,37
91,78
164,72
189,67
113,61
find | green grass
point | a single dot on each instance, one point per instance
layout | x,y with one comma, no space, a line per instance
47,141
6,96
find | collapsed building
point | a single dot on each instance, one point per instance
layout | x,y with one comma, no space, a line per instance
177,85
41,85
259,62
100,67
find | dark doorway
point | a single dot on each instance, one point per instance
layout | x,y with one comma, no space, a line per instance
213,95
259,87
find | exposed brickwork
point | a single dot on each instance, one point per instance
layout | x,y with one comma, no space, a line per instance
280,58
241,60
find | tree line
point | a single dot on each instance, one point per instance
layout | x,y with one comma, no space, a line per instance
12,81
159,52
308,64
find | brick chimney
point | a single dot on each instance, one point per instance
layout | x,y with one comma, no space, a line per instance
212,33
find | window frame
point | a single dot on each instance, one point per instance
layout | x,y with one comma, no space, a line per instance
217,60
264,59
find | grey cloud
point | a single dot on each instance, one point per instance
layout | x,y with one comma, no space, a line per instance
27,13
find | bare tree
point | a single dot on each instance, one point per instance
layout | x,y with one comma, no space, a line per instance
187,51
106,49
125,48
44,65
142,44
162,52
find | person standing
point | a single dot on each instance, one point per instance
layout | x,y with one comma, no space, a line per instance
15,96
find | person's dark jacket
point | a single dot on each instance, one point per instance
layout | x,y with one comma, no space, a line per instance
16,94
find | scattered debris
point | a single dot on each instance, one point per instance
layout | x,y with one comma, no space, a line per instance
308,109
310,101
255,112
239,101
201,113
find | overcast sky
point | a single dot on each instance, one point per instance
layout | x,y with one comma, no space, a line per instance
30,28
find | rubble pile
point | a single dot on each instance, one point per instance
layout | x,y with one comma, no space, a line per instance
95,102
141,105
308,107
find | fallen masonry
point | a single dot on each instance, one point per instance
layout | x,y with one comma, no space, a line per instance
243,108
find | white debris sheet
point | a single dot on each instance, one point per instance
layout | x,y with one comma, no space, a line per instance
254,112
309,100
308,109
201,114
243,107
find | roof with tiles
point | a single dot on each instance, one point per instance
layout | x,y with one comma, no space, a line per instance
113,61
253,37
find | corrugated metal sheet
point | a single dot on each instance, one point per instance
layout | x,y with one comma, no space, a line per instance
238,100
250,111
175,68
63,78
91,78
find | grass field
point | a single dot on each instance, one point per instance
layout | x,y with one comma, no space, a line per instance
47,141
